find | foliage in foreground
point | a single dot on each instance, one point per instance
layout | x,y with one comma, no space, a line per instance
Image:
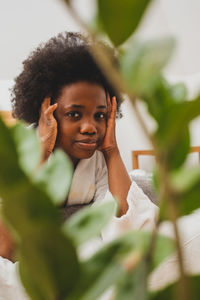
47,248
50,266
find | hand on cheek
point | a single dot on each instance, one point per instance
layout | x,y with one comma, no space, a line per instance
109,144
47,127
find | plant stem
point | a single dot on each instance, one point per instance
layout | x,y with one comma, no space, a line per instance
170,199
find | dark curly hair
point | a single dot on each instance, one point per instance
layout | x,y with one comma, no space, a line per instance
64,59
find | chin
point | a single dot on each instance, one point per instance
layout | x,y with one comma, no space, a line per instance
87,154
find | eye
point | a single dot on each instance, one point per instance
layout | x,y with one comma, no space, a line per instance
101,115
74,114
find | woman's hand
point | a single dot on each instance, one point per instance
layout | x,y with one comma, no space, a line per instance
47,127
109,145
118,179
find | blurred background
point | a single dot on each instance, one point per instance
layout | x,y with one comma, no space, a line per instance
25,23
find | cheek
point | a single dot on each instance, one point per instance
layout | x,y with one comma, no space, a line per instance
103,130
65,130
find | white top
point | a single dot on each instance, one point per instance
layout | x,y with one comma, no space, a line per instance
90,180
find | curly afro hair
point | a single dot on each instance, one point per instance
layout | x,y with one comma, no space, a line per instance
63,60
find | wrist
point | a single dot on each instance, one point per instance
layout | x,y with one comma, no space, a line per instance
46,151
111,153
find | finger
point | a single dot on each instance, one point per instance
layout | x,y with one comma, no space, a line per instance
109,104
45,104
114,108
50,110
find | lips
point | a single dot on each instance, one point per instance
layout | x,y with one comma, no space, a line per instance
87,144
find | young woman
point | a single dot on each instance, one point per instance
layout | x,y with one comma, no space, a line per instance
64,93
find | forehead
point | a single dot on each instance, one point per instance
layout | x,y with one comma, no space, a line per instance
82,93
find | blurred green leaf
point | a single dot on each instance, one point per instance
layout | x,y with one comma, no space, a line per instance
190,200
54,177
171,292
179,92
182,180
48,264
159,101
142,62
106,266
47,257
27,145
175,153
90,288
186,189
163,248
26,207
177,118
133,285
32,289
172,135
10,173
121,18
89,222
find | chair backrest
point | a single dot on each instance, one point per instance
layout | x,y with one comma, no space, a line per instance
7,117
137,153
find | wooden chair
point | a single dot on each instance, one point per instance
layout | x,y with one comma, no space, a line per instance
137,153
7,117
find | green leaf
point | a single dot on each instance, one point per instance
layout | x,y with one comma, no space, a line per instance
134,284
163,248
184,179
179,92
185,184
190,199
142,63
54,177
32,289
89,222
179,114
27,208
24,206
171,292
121,18
10,173
106,267
172,135
27,146
48,264
173,154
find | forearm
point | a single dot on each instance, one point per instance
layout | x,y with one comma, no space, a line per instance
118,179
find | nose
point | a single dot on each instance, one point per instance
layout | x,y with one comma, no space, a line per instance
88,127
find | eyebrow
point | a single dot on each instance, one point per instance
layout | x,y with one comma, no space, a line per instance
82,106
101,106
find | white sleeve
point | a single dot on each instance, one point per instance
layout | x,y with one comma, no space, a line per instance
10,284
141,214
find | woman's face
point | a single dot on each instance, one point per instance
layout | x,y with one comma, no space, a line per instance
81,115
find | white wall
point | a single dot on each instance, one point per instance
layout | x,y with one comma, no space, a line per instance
26,23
